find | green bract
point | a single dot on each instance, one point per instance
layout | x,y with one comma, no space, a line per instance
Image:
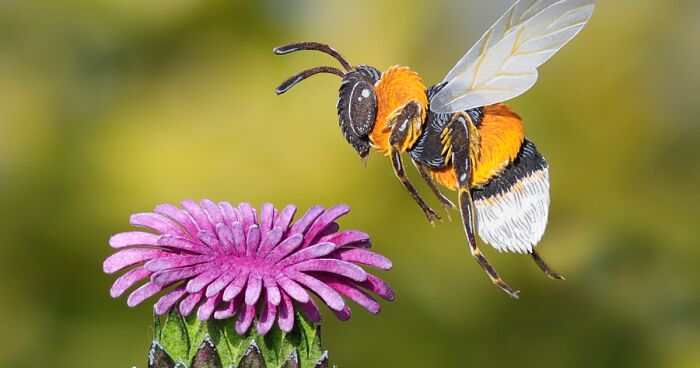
181,342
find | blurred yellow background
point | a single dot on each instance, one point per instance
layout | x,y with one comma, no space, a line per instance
111,107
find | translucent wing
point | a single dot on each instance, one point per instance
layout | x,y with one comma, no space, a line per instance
503,64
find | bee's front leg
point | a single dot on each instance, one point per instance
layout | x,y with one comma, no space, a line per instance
402,131
459,130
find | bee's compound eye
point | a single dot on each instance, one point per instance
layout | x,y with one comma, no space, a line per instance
362,108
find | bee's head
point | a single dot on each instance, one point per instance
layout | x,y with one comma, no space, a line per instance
357,103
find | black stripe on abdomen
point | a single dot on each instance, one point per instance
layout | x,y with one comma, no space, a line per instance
528,161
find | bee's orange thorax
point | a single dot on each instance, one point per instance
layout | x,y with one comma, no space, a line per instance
397,86
501,134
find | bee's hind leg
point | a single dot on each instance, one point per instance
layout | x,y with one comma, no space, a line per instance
460,160
545,267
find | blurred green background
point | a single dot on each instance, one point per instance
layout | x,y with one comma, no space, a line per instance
110,107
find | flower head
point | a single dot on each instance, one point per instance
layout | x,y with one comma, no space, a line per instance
225,261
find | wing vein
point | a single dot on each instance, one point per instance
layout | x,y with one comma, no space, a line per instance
560,30
537,28
481,58
567,13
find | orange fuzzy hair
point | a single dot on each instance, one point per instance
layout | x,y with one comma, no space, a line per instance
398,86
501,134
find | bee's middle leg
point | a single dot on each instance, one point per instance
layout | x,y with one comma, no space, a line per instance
447,205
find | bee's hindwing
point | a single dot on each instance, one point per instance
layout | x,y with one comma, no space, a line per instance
512,209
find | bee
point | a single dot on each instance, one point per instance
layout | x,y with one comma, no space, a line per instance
458,133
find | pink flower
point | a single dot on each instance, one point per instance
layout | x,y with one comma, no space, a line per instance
226,261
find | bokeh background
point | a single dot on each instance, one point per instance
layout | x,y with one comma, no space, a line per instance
110,107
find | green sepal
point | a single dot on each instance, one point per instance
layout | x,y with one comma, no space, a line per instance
306,337
191,343
174,337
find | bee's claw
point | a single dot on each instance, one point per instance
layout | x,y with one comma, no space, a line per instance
432,216
447,205
447,213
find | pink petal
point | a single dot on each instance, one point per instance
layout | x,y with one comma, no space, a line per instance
203,280
266,218
235,287
210,240
326,293
212,211
343,314
378,286
285,247
332,266
285,217
285,321
310,310
180,216
176,274
128,280
239,241
330,229
346,237
198,215
271,239
187,305
252,240
355,294
272,290
229,214
132,238
230,310
226,237
129,257
252,292
245,319
267,318
323,221
176,242
292,288
314,251
363,256
144,292
247,215
157,222
175,261
206,310
168,300
305,221
220,283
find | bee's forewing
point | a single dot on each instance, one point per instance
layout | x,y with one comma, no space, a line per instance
503,64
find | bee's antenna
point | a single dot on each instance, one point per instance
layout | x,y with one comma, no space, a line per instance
299,46
293,80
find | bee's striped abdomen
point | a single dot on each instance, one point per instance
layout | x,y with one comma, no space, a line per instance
512,208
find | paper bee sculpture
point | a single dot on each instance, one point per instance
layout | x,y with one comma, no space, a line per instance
458,133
